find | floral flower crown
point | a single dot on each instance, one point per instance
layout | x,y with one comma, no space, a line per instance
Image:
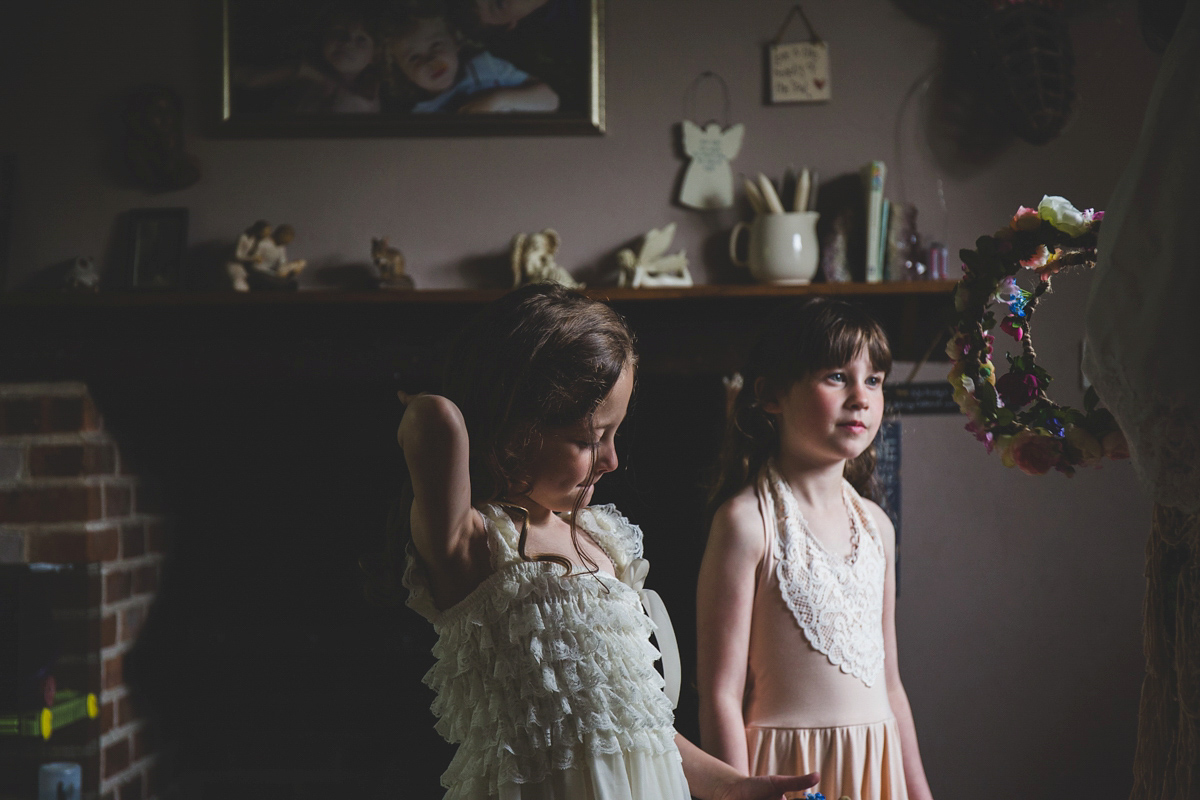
1013,413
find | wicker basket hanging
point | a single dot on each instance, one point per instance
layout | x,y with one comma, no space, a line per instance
1033,68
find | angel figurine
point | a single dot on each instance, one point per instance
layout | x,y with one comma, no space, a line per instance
708,182
533,260
651,266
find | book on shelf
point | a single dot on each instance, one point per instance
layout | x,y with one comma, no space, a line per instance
874,174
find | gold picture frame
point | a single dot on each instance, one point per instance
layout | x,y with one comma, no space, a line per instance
294,68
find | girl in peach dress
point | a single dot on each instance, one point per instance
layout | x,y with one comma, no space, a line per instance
797,638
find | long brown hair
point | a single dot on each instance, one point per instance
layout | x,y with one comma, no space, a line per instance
799,339
541,357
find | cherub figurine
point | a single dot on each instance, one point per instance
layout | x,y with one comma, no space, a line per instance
651,267
273,250
390,263
533,260
245,254
260,259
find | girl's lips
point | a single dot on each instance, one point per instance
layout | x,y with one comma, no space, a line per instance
857,427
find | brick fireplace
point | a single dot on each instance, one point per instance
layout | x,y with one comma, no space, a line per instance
73,513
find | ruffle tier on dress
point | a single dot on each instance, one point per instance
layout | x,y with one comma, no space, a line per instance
547,683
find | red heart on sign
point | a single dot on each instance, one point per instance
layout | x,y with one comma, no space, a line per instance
819,84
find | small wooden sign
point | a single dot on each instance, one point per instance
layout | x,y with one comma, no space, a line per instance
800,72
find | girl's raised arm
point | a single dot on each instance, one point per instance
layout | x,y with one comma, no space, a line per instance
446,530
724,605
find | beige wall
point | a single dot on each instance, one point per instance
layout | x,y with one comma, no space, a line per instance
1020,608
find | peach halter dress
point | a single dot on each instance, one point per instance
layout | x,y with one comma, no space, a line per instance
816,696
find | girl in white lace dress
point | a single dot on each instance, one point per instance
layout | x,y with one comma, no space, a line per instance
545,674
797,639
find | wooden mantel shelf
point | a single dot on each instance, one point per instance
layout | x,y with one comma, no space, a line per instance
465,296
393,337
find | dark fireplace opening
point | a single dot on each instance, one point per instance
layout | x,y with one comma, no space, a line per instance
261,661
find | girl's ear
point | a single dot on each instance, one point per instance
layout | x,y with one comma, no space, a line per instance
766,400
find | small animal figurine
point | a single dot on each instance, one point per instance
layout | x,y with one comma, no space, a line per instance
82,276
651,266
533,260
390,263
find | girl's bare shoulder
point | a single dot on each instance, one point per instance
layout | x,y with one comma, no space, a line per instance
738,522
883,522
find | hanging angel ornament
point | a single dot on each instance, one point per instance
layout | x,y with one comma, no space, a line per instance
708,182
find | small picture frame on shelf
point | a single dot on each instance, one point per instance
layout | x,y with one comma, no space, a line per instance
154,242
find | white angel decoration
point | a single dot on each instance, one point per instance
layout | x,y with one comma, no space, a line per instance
651,266
708,182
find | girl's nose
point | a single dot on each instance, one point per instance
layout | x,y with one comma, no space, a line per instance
606,458
858,398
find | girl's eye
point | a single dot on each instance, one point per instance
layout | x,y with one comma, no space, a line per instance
837,376
874,380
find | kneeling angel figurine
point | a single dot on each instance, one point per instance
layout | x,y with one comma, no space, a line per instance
651,266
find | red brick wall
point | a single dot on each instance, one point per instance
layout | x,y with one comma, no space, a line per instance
66,499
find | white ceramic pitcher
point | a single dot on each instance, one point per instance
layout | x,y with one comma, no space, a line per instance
783,247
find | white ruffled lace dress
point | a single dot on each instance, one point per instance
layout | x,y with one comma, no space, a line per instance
547,684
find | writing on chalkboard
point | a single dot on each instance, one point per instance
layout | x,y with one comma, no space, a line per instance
887,468
887,475
799,72
920,398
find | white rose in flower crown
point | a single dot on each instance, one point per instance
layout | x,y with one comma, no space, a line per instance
1059,212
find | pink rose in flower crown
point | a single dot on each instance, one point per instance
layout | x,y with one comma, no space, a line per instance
982,434
1033,454
1011,326
1017,389
1038,259
1026,219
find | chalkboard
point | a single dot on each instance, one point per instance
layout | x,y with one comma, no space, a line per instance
887,469
887,473
920,398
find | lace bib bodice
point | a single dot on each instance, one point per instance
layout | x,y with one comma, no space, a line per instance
836,601
535,671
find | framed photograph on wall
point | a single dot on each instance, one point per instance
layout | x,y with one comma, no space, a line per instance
155,239
411,67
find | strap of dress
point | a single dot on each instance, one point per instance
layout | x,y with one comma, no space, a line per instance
668,646
503,535
622,540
